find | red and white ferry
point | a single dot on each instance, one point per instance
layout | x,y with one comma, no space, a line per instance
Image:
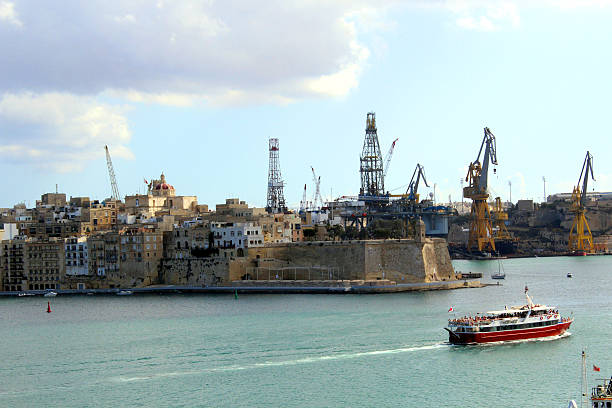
517,323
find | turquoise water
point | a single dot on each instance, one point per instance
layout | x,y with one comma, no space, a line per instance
305,350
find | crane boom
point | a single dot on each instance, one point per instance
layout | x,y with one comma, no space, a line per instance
588,166
317,200
580,237
413,186
388,158
490,155
111,174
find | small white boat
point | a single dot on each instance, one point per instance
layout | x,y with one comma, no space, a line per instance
125,293
50,294
569,275
25,294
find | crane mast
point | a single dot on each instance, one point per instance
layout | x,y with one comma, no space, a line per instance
580,237
111,174
481,232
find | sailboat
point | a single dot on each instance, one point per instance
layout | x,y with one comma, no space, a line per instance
501,274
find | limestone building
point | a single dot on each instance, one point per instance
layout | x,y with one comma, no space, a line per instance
12,265
76,256
44,263
160,197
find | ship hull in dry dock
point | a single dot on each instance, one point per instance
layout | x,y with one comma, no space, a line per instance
508,335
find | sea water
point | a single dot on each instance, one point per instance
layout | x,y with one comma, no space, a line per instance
383,350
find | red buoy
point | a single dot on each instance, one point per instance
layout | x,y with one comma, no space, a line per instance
48,307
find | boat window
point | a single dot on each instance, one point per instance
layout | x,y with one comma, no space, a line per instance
608,404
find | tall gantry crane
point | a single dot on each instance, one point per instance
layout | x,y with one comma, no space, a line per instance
111,174
481,233
317,201
580,237
413,187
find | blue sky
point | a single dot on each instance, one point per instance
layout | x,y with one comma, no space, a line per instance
195,89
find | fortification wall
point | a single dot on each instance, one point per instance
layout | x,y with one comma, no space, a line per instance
403,261
195,271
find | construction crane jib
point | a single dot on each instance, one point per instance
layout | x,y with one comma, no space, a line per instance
111,174
580,237
481,232
389,156
317,201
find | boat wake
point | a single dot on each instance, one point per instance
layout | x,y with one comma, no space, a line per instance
304,360
344,356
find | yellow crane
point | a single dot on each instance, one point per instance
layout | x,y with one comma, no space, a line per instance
481,233
499,218
580,237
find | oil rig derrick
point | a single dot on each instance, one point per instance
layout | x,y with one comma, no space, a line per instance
371,162
481,232
580,237
276,197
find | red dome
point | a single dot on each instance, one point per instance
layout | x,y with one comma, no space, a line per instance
164,186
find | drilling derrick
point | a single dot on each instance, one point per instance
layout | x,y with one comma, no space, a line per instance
111,174
481,233
579,239
276,198
371,162
500,217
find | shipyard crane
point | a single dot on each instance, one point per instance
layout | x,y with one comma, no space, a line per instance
580,237
388,158
500,217
481,233
413,187
303,203
317,201
111,174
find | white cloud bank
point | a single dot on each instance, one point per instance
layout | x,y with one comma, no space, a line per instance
61,58
59,132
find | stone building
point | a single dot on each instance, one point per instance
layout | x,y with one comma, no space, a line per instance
53,199
183,239
161,197
12,265
76,255
44,263
101,216
236,237
140,254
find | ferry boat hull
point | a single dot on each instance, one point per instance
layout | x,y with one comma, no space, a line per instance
508,335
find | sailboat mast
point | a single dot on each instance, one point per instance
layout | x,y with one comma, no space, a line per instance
583,390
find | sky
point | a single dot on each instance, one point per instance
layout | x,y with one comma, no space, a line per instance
195,89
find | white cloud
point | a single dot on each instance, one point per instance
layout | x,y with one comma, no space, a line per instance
184,51
8,13
60,132
484,15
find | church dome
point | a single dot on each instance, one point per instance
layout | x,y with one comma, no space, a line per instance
164,186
